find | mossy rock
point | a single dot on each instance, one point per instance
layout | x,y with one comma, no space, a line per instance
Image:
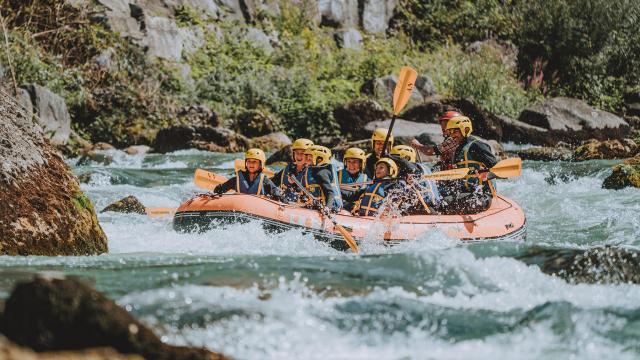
624,175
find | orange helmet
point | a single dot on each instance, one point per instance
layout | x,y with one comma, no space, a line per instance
449,115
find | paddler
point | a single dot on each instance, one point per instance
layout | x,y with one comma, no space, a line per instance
252,180
377,144
294,168
423,196
352,173
459,150
321,178
371,197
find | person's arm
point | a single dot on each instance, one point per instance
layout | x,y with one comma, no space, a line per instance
425,149
481,151
405,167
351,195
323,177
276,179
271,189
228,185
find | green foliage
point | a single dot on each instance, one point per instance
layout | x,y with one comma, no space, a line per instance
588,49
187,16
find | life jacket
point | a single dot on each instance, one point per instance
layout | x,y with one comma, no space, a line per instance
312,185
462,160
427,190
290,189
243,187
345,178
371,199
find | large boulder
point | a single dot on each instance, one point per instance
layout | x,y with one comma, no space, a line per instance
271,142
42,209
376,15
338,13
354,116
209,138
254,123
50,314
127,205
382,89
608,149
258,39
198,115
404,130
281,156
546,154
349,38
52,112
572,121
163,38
11,351
624,175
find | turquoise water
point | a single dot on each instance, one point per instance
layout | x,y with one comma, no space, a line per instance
254,295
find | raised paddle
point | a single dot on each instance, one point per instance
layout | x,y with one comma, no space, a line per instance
401,96
208,180
507,168
325,211
239,166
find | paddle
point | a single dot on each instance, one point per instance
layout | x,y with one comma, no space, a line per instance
401,96
506,168
325,211
239,166
160,212
208,180
437,176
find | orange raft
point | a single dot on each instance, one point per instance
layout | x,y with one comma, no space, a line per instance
504,220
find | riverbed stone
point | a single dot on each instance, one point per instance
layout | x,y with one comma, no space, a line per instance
608,149
42,209
127,205
542,153
56,313
626,174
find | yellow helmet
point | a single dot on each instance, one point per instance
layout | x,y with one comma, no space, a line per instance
380,134
301,144
256,154
461,123
404,151
355,153
321,152
393,168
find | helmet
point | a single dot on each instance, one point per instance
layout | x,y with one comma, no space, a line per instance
380,134
461,123
448,115
321,152
355,153
393,168
404,151
301,144
256,154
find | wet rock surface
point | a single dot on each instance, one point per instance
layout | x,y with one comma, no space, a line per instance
207,138
608,149
129,204
11,351
626,174
354,116
546,154
271,142
42,208
54,314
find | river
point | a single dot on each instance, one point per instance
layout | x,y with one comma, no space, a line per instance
253,295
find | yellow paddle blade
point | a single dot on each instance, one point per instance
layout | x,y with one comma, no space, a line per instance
239,166
208,180
160,212
507,168
403,89
347,238
447,174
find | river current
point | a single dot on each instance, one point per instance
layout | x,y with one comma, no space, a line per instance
253,295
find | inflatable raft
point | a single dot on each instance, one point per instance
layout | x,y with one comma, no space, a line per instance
504,220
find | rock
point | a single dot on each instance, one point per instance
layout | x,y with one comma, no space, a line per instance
497,149
11,351
24,100
354,116
102,146
96,156
42,208
129,204
137,150
192,39
601,265
104,60
338,13
163,38
208,9
121,20
270,142
259,40
349,39
217,139
254,123
281,156
632,103
508,51
198,115
52,113
404,130
608,149
427,112
545,154
572,120
624,175
376,15
383,88
49,314
232,9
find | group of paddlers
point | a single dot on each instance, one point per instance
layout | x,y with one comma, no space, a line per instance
390,175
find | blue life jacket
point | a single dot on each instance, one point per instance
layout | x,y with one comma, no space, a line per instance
290,189
243,187
311,184
372,199
345,178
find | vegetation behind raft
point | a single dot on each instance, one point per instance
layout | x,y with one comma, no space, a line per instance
588,50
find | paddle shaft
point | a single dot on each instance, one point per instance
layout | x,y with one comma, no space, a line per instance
386,139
